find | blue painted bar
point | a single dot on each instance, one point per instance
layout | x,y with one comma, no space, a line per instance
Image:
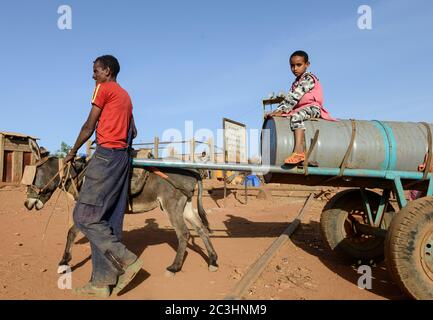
366,173
367,207
401,199
381,209
430,187
382,130
392,147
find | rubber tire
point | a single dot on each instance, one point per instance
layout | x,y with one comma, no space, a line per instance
335,236
403,246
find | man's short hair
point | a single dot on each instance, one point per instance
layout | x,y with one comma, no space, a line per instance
300,53
109,61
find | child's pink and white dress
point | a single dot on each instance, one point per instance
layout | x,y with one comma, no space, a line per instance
304,101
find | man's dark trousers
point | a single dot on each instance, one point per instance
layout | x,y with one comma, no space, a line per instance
99,212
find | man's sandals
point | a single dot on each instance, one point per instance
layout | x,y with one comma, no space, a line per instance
295,158
126,277
89,290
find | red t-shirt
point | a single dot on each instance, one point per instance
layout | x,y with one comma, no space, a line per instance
116,106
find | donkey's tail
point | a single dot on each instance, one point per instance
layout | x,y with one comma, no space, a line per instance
200,209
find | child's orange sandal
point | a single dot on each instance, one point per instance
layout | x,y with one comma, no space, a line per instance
295,158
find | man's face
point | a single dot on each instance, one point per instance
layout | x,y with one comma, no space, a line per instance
99,73
298,65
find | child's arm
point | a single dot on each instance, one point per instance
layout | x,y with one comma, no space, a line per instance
305,84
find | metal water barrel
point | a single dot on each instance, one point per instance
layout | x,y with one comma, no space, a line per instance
377,145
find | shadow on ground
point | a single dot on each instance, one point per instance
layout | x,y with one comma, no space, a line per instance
308,238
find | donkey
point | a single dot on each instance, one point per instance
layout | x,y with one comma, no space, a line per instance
171,189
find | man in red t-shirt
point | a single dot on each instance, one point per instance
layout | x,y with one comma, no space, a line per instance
101,204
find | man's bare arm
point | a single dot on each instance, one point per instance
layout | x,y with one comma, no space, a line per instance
134,128
86,132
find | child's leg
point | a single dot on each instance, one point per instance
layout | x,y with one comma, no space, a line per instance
298,127
299,140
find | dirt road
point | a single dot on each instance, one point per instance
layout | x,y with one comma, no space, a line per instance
301,269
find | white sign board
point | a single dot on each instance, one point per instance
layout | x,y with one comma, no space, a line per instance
235,141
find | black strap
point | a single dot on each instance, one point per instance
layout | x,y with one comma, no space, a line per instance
349,149
310,151
346,156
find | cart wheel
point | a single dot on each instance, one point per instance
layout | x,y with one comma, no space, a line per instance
339,221
409,248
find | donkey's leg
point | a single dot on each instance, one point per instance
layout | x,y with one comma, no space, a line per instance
63,264
174,208
192,217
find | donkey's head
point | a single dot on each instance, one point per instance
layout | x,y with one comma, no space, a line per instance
44,183
43,178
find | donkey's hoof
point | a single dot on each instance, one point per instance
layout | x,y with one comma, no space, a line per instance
213,268
169,274
63,268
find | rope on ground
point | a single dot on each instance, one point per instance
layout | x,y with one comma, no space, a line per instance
257,268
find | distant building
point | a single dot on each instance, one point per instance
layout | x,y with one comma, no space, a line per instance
15,154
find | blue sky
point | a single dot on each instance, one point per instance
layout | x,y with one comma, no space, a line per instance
201,61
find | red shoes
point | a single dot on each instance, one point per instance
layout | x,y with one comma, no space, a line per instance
295,158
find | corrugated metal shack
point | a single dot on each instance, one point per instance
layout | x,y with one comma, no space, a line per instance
15,154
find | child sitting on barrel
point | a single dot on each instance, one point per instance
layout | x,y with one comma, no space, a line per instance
304,101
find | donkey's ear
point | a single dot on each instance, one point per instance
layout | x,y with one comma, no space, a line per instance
43,152
35,149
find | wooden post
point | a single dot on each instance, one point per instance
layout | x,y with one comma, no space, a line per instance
17,166
225,188
88,146
211,156
211,149
246,190
192,150
2,154
156,148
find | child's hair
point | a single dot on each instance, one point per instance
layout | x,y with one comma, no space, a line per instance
110,62
300,53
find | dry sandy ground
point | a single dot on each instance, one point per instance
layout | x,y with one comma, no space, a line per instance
32,244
